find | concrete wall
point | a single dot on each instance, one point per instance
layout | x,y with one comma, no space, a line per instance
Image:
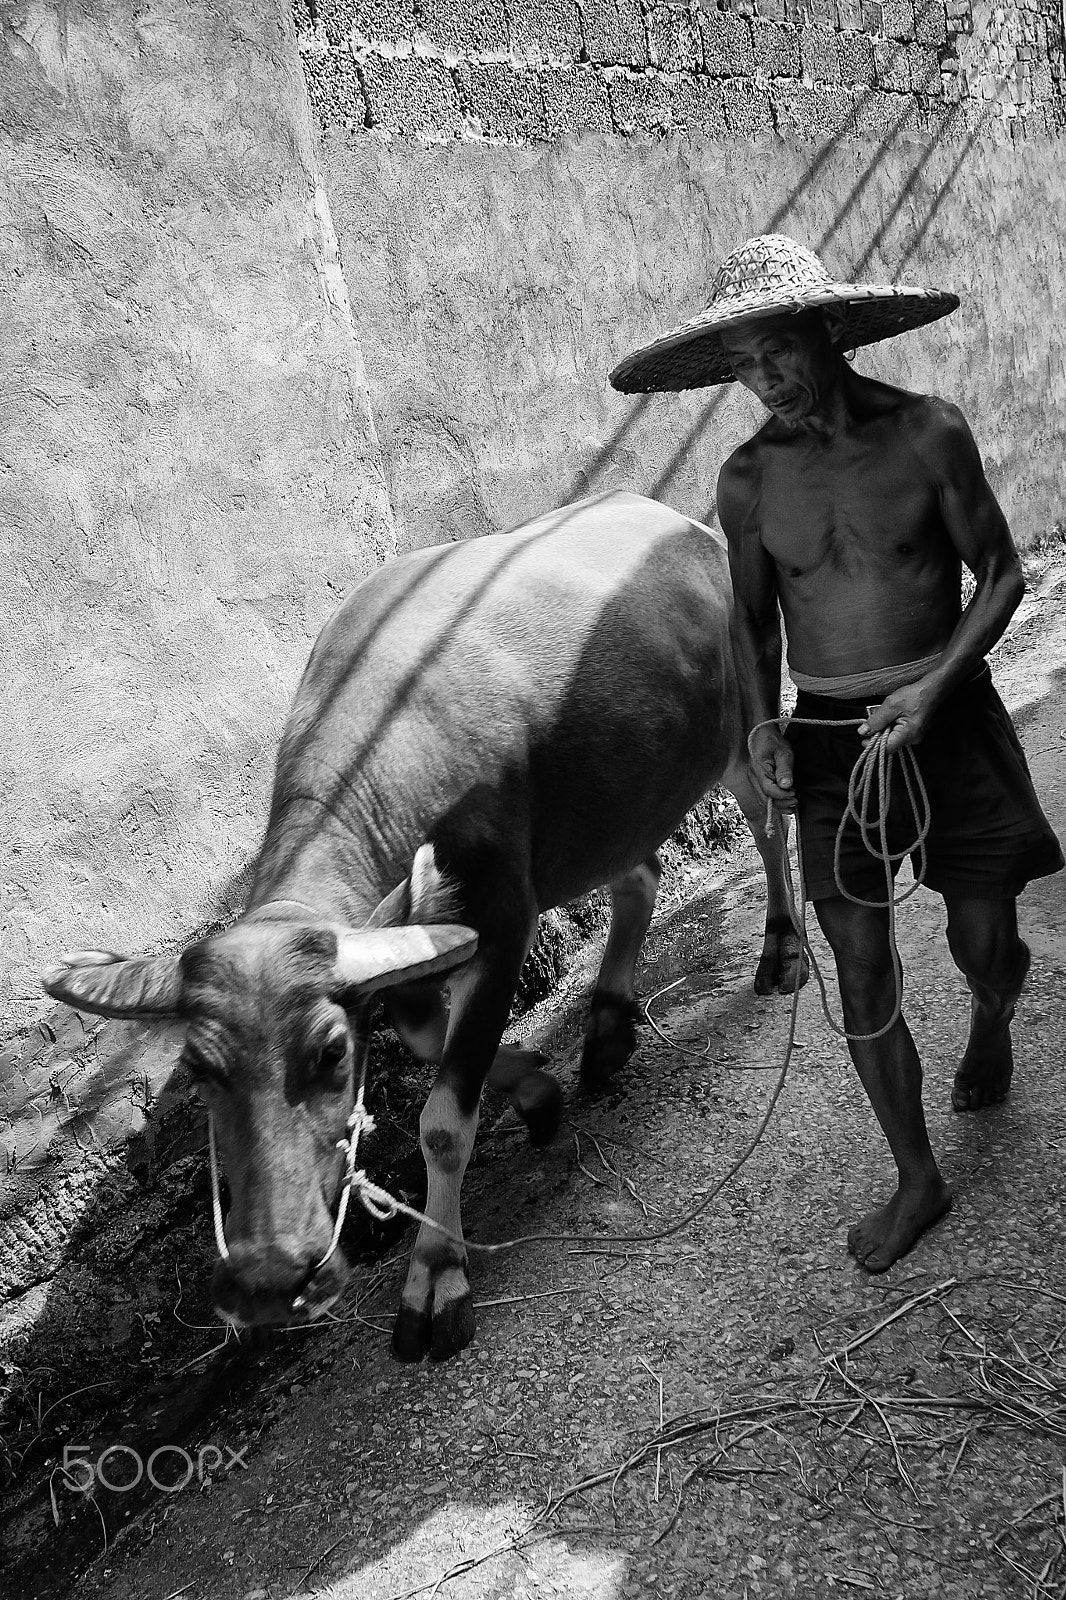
189,479
191,471
495,287
525,191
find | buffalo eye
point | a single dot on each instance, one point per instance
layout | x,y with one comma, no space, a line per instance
205,1072
333,1056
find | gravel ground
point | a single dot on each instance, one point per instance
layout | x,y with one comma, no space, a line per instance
703,1416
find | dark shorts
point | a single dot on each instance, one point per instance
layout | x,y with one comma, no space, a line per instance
988,835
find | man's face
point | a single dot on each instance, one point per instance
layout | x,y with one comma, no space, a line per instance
786,361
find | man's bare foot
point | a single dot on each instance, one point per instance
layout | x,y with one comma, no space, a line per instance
985,1071
882,1236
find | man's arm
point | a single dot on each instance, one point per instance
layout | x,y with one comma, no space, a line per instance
755,629
979,533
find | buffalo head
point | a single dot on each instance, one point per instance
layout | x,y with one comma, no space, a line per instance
276,1015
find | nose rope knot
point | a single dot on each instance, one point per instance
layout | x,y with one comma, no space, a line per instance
361,1121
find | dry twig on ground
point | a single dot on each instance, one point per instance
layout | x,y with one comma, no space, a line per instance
999,1391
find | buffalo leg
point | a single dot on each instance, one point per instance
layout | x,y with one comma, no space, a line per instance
610,1038
436,1307
418,1014
536,1096
782,950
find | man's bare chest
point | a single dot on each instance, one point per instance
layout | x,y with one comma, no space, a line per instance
850,512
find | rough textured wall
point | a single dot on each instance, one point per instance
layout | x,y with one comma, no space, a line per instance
521,70
189,472
188,480
494,288
527,189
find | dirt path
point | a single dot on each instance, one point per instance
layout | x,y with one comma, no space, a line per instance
692,1387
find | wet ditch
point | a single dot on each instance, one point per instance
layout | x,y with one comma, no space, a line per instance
127,1393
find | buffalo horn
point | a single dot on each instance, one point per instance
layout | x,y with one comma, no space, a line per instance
378,958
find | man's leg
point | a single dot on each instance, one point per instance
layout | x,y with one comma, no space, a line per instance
891,1074
984,943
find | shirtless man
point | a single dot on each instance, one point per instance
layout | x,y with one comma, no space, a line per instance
850,512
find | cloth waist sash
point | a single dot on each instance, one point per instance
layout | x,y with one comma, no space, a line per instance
874,684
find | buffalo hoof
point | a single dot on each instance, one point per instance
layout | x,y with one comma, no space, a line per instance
453,1328
411,1334
538,1100
782,953
789,962
610,1039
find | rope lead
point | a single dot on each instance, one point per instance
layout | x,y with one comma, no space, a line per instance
874,761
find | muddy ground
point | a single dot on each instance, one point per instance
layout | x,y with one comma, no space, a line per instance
734,1411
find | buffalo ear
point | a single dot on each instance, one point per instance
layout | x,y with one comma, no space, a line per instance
117,986
378,958
428,895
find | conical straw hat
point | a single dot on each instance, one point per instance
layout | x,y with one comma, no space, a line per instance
765,277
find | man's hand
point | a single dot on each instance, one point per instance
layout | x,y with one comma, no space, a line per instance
907,712
770,766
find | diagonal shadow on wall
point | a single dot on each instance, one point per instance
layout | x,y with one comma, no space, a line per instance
934,135
236,886
168,1222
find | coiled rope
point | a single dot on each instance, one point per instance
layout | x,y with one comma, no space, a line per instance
874,766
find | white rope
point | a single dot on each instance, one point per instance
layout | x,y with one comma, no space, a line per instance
874,761
382,1205
875,758
359,1122
378,1201
216,1198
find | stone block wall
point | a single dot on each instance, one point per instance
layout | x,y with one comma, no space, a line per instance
519,71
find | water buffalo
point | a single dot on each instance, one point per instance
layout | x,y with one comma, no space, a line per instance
484,730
